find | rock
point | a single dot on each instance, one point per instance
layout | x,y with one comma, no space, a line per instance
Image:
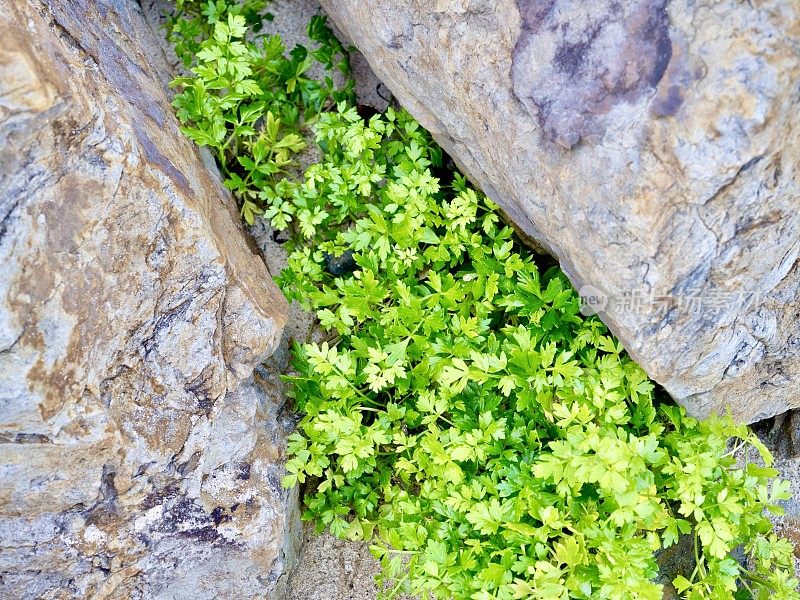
139,455
781,434
333,569
652,146
340,265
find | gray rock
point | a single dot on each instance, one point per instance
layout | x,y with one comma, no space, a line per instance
340,265
332,569
139,455
652,146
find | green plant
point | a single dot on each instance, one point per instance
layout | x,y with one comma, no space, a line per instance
192,22
461,414
246,100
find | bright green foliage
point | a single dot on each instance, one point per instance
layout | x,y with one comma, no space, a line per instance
246,100
462,415
192,22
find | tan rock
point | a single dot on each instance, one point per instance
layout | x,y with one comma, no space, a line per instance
138,459
652,146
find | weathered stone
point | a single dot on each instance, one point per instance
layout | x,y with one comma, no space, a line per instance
138,457
333,569
652,146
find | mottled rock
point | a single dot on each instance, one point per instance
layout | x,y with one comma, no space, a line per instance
139,456
651,145
333,569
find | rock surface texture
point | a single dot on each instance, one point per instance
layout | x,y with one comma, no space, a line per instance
651,145
139,456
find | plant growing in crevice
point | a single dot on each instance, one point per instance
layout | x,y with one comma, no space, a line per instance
244,98
462,415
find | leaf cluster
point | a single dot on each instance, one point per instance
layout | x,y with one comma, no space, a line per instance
461,414
489,440
247,100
